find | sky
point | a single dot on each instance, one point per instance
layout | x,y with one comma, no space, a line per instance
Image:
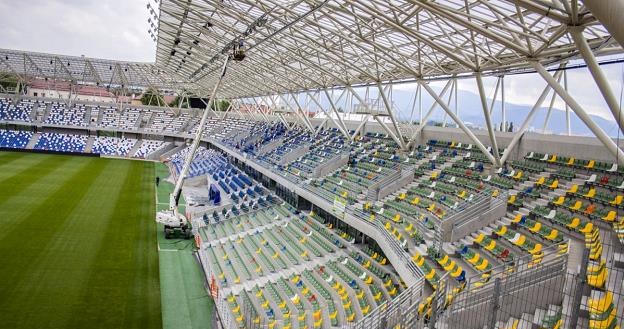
526,88
118,29
111,29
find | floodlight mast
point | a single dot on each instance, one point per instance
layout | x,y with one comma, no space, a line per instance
171,218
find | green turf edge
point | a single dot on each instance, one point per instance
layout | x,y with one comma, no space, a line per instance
185,303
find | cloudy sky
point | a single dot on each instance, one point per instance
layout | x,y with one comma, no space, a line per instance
114,29
117,29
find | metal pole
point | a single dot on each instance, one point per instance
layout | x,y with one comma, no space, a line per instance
340,122
495,306
503,109
488,121
550,107
498,82
527,121
362,124
420,109
303,114
399,135
422,123
386,128
458,122
195,145
567,108
580,112
345,133
599,76
578,289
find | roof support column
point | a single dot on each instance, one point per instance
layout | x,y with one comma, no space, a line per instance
488,120
609,13
423,121
458,121
345,133
567,107
333,106
498,82
320,126
525,125
387,129
304,115
388,106
550,107
601,80
580,112
361,125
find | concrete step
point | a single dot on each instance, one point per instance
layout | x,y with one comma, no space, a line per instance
135,148
89,145
33,141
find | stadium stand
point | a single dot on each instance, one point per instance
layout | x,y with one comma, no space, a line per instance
14,139
62,142
21,111
61,115
113,146
553,203
148,147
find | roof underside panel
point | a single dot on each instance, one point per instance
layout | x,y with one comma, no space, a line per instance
311,44
297,45
87,70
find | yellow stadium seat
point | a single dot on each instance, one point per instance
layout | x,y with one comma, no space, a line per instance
591,164
610,217
617,200
559,201
577,205
591,193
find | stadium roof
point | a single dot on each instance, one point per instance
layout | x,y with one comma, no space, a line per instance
86,70
312,44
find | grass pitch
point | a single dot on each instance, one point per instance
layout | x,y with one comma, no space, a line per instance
77,243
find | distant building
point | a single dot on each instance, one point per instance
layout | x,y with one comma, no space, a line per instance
62,89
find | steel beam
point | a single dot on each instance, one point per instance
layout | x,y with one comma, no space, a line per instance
387,129
434,105
461,125
399,135
488,120
580,112
599,76
609,13
527,121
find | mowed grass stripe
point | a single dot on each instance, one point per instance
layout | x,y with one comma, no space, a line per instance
129,259
58,278
66,268
31,235
18,163
27,176
21,205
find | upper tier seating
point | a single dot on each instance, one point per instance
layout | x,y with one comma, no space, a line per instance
61,115
9,111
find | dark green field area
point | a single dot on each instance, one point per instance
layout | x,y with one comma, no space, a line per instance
78,247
